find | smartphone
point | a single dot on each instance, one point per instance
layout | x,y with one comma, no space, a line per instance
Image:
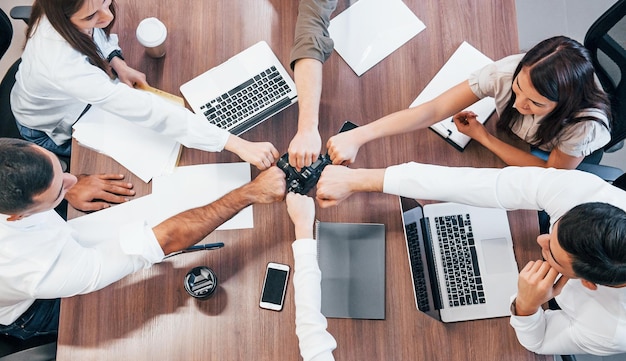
274,286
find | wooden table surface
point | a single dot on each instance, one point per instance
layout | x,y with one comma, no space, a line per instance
149,316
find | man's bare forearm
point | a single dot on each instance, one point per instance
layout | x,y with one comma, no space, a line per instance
188,228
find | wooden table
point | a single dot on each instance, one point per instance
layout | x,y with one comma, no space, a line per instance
148,315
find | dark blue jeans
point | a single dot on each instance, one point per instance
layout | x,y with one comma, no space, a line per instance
41,318
43,140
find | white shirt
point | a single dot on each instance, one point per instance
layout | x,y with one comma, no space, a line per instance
55,83
316,344
590,321
580,139
42,257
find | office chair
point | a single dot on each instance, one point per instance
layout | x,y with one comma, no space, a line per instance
6,29
605,41
21,13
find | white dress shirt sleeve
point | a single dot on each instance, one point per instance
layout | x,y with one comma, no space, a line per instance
554,190
99,265
316,343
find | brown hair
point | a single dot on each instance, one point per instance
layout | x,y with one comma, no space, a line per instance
58,13
561,70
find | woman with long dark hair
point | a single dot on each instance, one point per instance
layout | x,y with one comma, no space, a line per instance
547,97
71,62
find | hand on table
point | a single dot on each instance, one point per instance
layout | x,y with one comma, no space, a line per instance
126,74
96,192
537,284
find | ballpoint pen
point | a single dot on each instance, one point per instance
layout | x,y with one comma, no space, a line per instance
200,247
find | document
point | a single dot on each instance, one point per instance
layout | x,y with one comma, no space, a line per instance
142,151
185,188
464,61
370,30
352,260
196,185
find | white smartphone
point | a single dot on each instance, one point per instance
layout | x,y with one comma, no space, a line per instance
274,286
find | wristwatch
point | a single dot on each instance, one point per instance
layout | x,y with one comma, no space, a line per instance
115,53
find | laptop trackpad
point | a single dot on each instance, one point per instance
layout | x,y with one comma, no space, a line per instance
494,251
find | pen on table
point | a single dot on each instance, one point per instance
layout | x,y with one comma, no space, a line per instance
200,247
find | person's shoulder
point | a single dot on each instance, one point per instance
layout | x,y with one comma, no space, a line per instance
509,63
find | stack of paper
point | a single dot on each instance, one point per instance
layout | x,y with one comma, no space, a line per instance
142,151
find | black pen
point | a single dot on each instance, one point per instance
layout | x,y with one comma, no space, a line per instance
200,247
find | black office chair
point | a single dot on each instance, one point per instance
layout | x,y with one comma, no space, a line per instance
21,13
605,41
6,29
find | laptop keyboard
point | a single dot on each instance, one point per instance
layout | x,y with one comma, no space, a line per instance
251,97
460,262
417,267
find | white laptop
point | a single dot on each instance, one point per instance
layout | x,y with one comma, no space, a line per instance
460,280
243,91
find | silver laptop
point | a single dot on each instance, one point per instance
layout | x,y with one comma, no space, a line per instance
461,258
243,91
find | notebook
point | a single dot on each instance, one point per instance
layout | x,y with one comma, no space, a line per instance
459,281
351,257
243,91
465,60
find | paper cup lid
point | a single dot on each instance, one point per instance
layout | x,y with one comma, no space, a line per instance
151,32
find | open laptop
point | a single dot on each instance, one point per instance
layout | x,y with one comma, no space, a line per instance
473,280
243,91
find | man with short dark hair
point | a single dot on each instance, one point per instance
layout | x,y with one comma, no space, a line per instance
584,266
42,257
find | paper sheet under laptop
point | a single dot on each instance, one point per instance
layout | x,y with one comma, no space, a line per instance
142,151
186,188
465,60
369,30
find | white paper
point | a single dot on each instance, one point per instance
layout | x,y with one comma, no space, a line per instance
370,30
194,186
186,188
465,60
142,151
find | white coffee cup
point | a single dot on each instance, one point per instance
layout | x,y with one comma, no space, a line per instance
151,33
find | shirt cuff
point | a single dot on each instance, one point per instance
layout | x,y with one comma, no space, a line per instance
304,246
392,183
137,239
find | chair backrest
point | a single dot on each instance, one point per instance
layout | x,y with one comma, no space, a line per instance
8,129
6,32
606,41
